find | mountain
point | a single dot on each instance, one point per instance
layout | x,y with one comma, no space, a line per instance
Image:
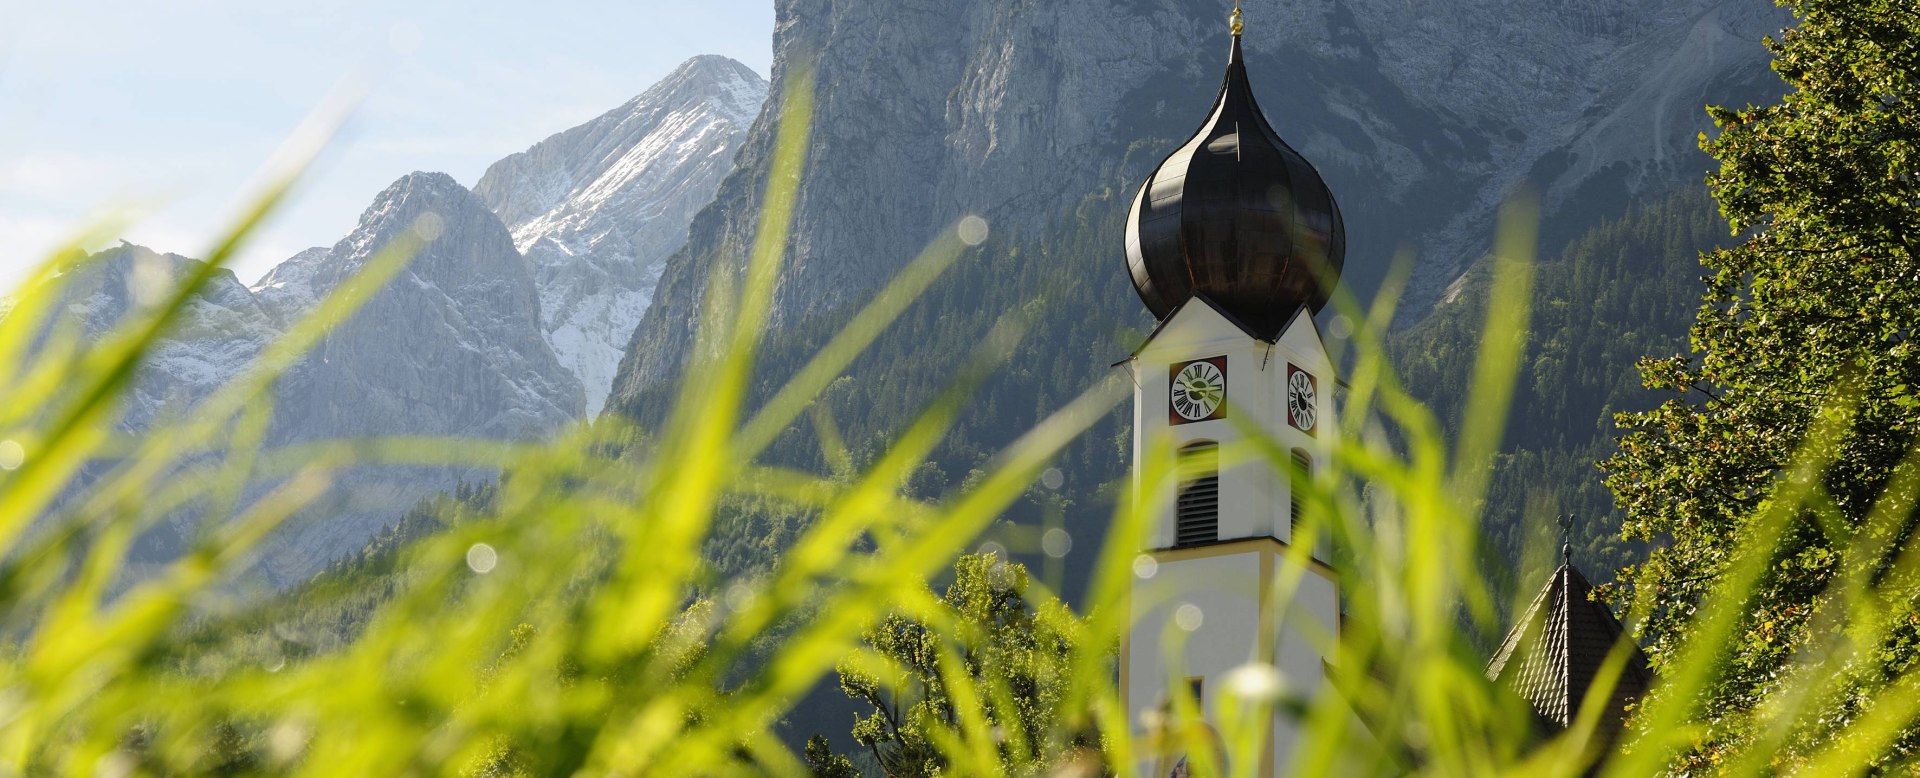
507,324
451,347
1421,121
597,209
288,289
1046,118
220,332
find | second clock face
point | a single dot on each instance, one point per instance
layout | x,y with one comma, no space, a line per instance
1197,391
1302,400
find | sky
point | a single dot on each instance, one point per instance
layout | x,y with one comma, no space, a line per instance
161,116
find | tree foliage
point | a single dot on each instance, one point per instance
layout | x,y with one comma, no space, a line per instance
1802,353
1622,290
984,656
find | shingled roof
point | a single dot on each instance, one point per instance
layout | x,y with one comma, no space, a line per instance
1552,654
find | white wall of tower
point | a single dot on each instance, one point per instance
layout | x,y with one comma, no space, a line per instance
1225,589
1238,624
1254,495
1232,580
1308,627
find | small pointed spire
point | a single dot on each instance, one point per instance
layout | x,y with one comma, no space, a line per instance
1566,539
1239,23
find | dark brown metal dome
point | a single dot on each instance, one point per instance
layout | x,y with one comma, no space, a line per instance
1237,215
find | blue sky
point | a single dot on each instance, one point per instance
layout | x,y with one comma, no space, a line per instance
165,111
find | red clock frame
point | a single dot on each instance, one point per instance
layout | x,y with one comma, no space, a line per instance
1173,374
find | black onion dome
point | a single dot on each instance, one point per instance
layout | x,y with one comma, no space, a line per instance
1237,215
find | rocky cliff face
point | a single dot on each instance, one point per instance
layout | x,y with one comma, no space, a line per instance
1422,118
451,347
474,338
597,209
217,336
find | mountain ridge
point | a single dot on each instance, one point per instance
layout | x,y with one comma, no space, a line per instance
1421,123
458,344
599,207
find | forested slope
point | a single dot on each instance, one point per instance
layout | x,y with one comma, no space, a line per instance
1065,289
1622,291
1625,290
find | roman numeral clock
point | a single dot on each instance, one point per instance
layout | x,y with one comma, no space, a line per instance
1197,391
1302,393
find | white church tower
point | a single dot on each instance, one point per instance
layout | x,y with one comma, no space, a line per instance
1234,243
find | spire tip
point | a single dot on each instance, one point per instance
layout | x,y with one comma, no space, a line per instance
1566,540
1239,22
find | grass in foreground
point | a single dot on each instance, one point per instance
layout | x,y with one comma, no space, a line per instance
561,629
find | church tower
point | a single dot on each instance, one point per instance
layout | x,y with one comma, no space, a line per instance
1234,243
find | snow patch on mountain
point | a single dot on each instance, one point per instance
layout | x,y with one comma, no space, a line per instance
597,209
287,290
450,347
215,338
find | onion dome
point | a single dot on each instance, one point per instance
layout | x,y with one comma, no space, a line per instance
1238,216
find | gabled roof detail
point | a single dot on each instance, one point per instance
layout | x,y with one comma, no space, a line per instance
1555,650
1224,314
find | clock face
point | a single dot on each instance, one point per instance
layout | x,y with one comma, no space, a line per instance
1302,410
1197,390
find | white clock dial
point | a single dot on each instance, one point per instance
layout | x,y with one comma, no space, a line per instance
1197,391
1301,411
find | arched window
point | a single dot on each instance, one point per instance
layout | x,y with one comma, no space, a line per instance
1303,467
1197,512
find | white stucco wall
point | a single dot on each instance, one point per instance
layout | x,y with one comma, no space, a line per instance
1254,493
1226,582
1304,628
1227,588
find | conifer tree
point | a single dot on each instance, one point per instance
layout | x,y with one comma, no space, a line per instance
1011,655
1812,314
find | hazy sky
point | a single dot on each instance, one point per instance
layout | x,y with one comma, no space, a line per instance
169,109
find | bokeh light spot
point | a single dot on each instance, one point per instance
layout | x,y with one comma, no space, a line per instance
1188,617
482,558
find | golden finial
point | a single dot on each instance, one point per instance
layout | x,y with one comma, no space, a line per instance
1238,23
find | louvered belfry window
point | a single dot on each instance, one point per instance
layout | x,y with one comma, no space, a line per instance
1197,512
1303,465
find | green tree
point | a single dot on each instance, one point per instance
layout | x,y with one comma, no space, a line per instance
824,763
1806,325
983,657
